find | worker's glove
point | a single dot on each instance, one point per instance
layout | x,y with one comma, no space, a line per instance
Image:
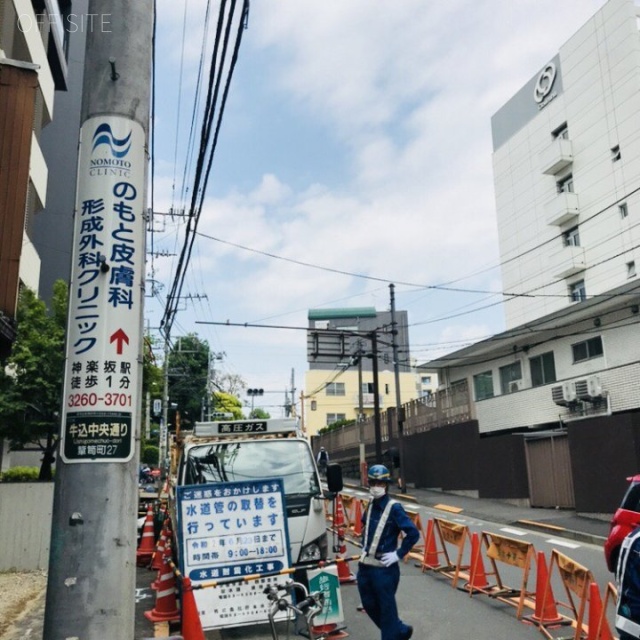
389,558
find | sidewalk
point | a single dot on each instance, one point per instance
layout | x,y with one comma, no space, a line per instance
564,523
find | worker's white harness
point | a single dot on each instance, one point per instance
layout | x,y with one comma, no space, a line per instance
369,557
623,623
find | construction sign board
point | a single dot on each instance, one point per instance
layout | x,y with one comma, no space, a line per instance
232,530
327,582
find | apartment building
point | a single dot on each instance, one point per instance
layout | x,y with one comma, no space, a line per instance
351,364
566,157
33,65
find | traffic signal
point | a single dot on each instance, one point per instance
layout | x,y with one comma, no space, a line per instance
255,392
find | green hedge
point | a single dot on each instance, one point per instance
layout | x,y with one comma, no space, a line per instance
20,474
150,455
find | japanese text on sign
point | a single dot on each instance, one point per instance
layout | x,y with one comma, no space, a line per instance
232,529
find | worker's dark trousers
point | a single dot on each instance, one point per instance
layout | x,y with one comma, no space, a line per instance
377,587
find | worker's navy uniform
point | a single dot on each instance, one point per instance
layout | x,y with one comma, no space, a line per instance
628,580
378,584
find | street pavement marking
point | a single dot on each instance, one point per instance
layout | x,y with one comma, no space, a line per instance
446,507
562,543
515,532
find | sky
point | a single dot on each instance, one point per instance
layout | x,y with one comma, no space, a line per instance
355,151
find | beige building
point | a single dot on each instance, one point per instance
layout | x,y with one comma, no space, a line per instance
340,382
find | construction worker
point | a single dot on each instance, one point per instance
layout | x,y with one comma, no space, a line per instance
323,461
628,580
379,568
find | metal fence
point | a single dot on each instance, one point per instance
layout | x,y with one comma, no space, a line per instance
25,525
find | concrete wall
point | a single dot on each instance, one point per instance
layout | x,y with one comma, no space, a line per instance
25,525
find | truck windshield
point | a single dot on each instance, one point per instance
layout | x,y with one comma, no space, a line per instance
236,461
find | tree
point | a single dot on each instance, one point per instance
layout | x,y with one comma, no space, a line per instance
232,383
31,379
188,376
259,414
227,403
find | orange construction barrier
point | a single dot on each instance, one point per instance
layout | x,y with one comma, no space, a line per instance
598,625
477,575
546,612
575,580
417,551
166,609
191,627
147,540
446,534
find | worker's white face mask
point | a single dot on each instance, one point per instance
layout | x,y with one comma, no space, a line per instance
377,492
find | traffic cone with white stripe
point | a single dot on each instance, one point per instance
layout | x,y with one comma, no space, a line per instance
147,541
166,607
191,626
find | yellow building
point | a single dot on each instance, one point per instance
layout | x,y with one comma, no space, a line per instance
340,380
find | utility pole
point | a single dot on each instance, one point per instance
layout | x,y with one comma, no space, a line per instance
396,372
92,562
376,396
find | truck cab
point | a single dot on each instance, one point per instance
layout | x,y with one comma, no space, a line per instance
242,450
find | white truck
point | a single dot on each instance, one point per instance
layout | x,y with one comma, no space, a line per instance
248,450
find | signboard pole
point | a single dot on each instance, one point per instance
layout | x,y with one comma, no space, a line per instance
91,580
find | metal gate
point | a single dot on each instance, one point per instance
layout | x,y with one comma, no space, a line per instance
549,471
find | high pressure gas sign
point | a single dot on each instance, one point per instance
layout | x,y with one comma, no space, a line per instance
106,295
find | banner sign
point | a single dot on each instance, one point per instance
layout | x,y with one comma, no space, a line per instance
326,580
232,530
105,293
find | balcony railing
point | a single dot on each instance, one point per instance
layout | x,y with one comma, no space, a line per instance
562,209
556,157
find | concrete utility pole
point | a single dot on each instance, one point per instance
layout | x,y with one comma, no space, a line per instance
92,563
396,371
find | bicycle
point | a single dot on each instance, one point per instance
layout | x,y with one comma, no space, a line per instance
306,609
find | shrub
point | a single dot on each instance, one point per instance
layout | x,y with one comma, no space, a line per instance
150,455
20,474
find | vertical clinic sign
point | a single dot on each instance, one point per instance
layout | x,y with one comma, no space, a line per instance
105,297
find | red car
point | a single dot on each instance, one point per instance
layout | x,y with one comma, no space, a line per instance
624,521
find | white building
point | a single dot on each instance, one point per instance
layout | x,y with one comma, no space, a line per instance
567,183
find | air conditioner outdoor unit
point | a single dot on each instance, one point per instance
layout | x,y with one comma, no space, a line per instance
589,389
564,394
515,385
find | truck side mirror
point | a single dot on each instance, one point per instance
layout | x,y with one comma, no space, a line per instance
334,477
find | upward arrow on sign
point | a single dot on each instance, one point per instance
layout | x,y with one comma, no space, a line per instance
119,337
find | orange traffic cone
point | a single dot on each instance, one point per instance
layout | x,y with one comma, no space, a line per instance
477,576
165,572
430,558
546,612
338,512
357,517
166,609
344,573
191,626
147,541
598,625
158,554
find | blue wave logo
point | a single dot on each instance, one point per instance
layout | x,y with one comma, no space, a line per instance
119,146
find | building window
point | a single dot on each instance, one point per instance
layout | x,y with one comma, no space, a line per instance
623,209
543,369
335,389
335,417
367,387
509,377
577,291
571,238
386,388
561,132
615,153
566,184
426,379
587,349
631,269
483,385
